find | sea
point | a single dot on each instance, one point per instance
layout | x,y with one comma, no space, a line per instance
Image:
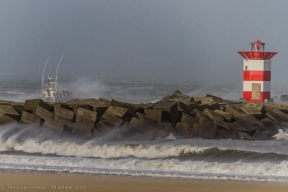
171,157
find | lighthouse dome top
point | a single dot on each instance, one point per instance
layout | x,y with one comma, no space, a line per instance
257,52
257,43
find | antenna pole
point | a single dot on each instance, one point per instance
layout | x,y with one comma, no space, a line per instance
43,74
56,78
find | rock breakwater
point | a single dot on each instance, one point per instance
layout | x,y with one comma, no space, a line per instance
207,117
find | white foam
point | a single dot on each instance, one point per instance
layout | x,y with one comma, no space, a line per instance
87,149
156,167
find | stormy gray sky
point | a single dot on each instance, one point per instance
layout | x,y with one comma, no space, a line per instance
155,40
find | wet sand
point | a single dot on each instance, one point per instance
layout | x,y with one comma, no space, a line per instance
31,181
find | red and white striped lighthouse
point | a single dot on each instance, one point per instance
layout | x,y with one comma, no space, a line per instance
257,72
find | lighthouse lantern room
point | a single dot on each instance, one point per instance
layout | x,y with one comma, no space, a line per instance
257,72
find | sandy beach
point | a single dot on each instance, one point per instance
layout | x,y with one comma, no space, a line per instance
27,181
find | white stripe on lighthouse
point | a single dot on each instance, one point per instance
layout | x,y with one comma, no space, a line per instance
265,85
257,65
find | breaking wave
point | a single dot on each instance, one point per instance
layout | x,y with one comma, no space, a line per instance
31,150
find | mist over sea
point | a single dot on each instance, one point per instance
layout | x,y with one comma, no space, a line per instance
31,150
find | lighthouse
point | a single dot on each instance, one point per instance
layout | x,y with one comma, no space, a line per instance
257,72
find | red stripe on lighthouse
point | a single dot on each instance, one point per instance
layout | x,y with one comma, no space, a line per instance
257,75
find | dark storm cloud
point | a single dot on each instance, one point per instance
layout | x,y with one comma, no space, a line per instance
158,40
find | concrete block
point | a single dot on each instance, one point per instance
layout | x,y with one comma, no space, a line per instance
167,98
104,126
271,109
269,127
236,126
215,98
68,123
188,120
84,122
214,116
9,111
149,131
180,97
166,127
30,119
146,119
156,115
214,106
99,109
76,107
118,111
6,102
67,114
193,106
111,118
184,131
132,109
116,103
54,125
260,135
93,101
184,107
252,111
31,105
233,110
171,108
227,116
92,115
43,113
81,130
204,132
105,101
5,120
221,124
244,100
19,108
